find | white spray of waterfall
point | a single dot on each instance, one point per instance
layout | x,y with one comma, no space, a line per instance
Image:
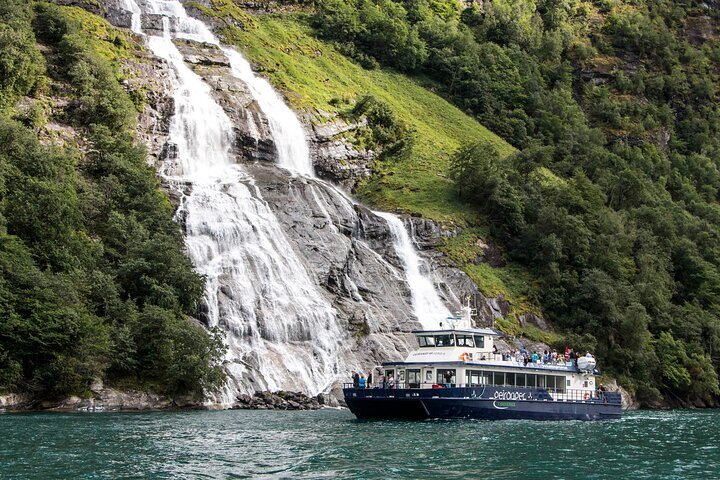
281,330
134,9
427,305
287,132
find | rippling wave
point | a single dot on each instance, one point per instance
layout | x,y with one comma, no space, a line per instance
333,444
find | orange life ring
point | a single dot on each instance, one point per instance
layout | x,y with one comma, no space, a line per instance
586,396
464,357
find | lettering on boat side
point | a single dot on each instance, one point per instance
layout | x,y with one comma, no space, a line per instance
505,395
503,405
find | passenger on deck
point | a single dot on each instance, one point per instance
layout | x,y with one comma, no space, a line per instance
601,393
355,379
573,356
362,382
448,378
370,379
391,381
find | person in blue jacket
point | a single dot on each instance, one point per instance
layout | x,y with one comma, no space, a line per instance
362,383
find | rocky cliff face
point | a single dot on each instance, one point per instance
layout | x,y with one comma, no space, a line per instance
346,247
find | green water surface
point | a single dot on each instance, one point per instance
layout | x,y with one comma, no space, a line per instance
332,444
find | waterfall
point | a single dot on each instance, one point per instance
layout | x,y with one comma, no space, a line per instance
427,306
132,7
282,332
287,132
257,288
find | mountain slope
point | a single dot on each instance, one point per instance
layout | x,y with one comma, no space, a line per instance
318,79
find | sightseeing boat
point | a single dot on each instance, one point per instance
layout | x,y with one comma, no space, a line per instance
456,373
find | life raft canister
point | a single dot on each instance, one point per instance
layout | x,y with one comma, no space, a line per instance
465,356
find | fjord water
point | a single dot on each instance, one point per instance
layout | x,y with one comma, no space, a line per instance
332,444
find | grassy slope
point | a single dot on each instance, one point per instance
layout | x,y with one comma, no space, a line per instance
323,81
318,79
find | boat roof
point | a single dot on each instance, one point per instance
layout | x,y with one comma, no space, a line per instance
471,331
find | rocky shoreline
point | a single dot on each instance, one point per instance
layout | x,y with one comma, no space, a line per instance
283,400
104,399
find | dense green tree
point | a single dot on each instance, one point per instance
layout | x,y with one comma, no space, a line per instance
94,282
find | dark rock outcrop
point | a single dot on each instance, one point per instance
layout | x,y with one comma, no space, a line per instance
335,158
281,400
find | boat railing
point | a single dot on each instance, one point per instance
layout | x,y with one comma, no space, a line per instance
519,360
500,392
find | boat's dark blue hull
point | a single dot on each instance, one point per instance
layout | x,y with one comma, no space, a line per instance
477,403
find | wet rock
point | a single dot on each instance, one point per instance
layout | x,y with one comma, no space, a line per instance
428,234
93,6
534,320
253,139
628,401
280,400
14,402
335,158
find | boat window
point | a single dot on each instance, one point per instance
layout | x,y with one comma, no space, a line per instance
444,374
413,378
551,382
465,341
389,373
478,377
479,341
510,379
531,380
445,340
519,379
498,378
426,341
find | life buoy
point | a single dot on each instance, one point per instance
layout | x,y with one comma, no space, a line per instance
586,396
464,357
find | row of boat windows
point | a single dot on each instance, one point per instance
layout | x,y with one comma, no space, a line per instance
452,340
531,380
484,377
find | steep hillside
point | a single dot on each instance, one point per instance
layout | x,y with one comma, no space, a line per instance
94,283
613,201
322,82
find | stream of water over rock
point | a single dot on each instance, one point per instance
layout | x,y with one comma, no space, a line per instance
278,323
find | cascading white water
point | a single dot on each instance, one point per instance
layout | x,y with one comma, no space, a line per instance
427,305
257,288
134,9
287,132
279,325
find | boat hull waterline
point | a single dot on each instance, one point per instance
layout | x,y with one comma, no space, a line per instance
478,403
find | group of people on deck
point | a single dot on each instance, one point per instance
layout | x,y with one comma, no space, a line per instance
546,358
360,380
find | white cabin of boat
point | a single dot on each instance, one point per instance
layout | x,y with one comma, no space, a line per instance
461,356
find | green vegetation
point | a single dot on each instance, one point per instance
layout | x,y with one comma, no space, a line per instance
93,278
318,78
612,202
